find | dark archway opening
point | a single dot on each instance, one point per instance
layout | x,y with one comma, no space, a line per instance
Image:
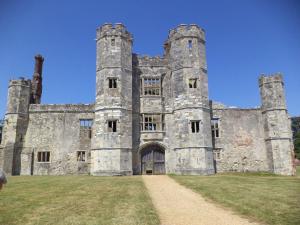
153,159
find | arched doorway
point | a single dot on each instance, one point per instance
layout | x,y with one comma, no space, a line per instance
153,159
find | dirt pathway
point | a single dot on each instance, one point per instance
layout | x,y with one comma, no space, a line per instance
177,205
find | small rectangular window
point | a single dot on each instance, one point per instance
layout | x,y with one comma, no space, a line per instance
195,125
112,126
190,44
81,156
192,83
43,156
113,42
215,128
217,154
86,123
112,82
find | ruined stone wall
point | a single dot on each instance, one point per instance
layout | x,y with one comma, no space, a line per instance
56,128
241,142
249,139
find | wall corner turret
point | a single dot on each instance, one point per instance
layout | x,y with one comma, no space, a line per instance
15,124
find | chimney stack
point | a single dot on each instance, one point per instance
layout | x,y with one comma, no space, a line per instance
36,83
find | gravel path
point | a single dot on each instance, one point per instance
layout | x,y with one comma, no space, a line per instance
177,205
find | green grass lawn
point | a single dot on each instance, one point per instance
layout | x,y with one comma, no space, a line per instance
267,198
76,200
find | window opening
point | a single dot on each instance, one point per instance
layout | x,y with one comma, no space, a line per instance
81,156
43,156
195,126
152,122
112,82
113,42
192,83
190,44
86,123
112,126
217,154
215,128
151,86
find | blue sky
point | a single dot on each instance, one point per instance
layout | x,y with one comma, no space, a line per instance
244,39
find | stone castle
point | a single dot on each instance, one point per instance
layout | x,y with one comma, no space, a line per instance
152,115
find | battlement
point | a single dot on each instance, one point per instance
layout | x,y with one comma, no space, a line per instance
61,108
273,78
117,29
185,30
145,60
20,82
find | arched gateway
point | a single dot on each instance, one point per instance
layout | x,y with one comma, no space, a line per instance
152,159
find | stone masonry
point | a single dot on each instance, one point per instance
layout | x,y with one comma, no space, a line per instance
151,115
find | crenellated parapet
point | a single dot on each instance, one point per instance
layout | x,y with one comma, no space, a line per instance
274,78
117,29
145,60
61,108
272,92
20,82
185,30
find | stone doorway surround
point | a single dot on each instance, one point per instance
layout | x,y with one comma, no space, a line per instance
152,159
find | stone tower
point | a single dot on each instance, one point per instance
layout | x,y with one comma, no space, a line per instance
278,136
191,133
111,152
21,93
16,120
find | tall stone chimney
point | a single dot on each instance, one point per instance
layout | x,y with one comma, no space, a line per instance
36,91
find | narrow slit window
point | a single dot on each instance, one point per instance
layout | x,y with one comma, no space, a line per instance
195,126
215,128
112,126
190,44
112,82
113,42
192,83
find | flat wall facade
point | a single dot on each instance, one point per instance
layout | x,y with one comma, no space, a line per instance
240,146
57,129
